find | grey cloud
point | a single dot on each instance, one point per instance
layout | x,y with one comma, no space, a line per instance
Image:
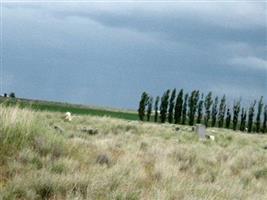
131,47
182,21
250,62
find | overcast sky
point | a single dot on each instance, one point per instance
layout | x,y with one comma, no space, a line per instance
107,53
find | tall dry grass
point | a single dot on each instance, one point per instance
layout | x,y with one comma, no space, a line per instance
144,161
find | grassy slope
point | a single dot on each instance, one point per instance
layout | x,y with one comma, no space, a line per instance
73,108
147,161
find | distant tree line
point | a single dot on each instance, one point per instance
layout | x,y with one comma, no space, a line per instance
194,107
11,95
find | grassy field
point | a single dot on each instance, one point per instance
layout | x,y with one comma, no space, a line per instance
64,107
125,160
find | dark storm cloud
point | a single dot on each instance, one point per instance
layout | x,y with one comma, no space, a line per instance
113,51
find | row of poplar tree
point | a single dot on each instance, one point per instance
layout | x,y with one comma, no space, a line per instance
195,108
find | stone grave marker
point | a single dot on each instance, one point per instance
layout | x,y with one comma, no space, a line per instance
201,131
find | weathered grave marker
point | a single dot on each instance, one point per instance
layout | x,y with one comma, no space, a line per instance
90,131
201,131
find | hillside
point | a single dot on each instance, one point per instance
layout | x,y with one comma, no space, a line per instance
41,105
44,157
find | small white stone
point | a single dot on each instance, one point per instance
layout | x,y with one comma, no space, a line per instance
212,137
68,116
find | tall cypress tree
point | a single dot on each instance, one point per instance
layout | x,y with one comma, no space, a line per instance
156,108
264,123
228,118
200,109
222,109
258,119
178,107
142,106
243,119
236,110
149,107
171,106
214,112
192,104
184,109
207,104
251,117
196,100
164,106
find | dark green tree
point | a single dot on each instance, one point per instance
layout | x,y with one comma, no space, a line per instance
236,110
192,105
164,106
142,106
228,118
178,107
264,123
214,112
251,116
258,118
222,109
156,108
207,104
171,106
12,95
200,109
149,108
243,119
184,111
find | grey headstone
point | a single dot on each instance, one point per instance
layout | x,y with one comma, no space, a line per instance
201,131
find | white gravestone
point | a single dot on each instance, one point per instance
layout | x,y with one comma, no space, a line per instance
201,131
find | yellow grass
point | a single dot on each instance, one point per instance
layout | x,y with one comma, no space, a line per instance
146,161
